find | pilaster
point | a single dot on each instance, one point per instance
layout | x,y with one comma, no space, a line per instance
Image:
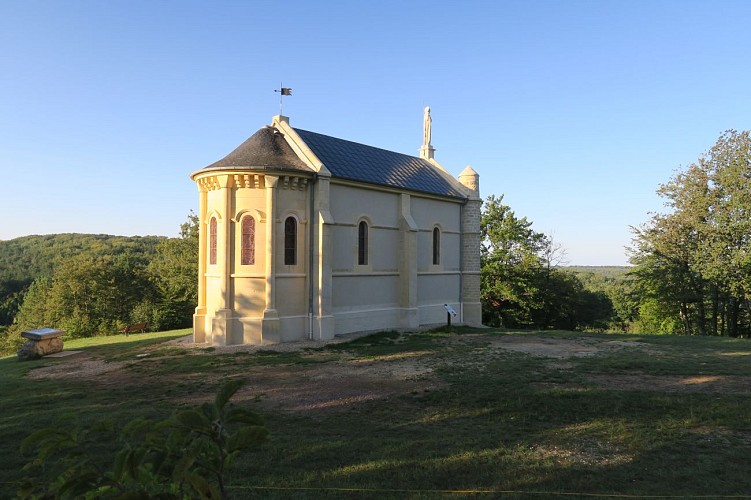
221,323
199,317
221,327
224,243
410,317
270,323
324,326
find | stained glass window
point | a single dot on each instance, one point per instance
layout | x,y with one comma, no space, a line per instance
248,241
212,241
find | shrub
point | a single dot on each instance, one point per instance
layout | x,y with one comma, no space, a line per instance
184,456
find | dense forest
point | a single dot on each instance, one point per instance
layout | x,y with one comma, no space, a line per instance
95,284
691,270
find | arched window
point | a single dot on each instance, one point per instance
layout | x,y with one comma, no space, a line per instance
212,241
290,241
362,244
248,241
436,246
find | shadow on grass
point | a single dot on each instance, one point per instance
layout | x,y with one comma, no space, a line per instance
500,421
570,441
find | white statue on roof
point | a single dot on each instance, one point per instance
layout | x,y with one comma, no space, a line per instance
427,127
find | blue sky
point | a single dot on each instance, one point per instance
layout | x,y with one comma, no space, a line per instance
575,111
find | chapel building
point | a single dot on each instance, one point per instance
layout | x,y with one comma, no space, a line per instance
306,236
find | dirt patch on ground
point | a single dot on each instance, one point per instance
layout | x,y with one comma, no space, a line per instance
338,385
589,452
322,387
79,368
346,381
548,347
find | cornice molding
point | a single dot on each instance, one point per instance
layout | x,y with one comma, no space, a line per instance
214,181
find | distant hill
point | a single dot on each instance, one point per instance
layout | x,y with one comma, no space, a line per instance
24,259
606,271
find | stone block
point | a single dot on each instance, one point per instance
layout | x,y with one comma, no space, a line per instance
35,349
41,342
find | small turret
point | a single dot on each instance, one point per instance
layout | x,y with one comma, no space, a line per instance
471,180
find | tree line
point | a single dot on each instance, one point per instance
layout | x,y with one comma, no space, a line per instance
92,285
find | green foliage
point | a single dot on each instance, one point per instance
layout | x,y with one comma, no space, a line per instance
94,285
510,259
184,456
87,295
612,291
655,318
11,296
25,259
693,263
521,287
174,272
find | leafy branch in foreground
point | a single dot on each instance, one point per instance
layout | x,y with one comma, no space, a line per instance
183,456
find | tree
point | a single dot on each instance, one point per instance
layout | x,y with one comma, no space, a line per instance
694,263
174,272
22,260
95,284
510,260
522,283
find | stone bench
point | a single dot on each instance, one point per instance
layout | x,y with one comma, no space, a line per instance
40,343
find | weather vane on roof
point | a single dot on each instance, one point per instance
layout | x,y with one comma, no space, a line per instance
282,92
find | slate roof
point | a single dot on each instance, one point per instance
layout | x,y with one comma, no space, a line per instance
358,162
267,148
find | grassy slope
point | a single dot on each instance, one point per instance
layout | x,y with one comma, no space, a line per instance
503,421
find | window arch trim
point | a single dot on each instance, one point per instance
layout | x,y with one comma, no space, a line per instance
258,215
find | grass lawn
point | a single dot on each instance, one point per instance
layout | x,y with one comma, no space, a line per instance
474,413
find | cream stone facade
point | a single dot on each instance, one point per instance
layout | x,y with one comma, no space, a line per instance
306,236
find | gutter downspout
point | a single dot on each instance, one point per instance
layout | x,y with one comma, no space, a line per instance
461,261
311,255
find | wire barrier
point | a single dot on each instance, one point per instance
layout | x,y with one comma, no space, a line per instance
473,492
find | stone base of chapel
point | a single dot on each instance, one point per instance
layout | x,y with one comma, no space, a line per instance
472,314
